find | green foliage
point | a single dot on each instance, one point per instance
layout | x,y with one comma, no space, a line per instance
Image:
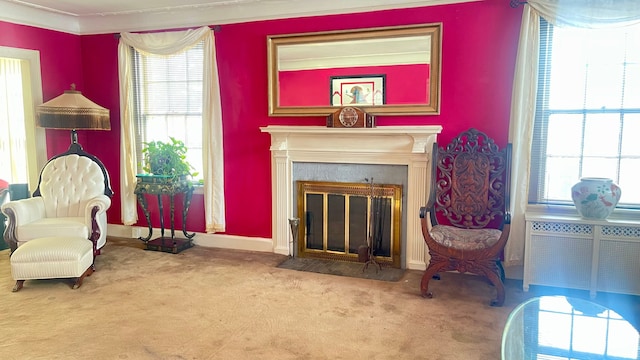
166,158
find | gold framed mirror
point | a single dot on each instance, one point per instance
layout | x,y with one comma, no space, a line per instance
383,71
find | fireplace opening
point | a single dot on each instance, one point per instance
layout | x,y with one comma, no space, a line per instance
338,218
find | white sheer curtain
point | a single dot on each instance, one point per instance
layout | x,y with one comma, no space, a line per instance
168,43
576,13
13,140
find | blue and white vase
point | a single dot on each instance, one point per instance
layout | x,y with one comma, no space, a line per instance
595,198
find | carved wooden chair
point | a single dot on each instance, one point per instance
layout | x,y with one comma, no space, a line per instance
468,210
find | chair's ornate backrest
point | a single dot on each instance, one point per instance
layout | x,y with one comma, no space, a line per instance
471,181
69,180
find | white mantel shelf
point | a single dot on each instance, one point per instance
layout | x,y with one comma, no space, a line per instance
425,130
375,140
393,145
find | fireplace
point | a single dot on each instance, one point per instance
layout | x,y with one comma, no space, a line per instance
347,150
344,221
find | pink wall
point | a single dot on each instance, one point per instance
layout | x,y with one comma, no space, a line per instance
478,55
100,68
60,63
405,84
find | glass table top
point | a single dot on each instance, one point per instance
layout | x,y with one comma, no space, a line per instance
565,328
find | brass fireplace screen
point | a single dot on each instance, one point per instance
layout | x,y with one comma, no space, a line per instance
337,218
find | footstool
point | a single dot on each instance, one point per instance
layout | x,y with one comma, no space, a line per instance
52,258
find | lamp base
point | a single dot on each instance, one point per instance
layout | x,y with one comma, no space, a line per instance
74,141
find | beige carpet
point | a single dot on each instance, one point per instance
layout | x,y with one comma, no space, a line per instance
222,304
344,268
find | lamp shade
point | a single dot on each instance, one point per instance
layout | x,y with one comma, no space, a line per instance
71,111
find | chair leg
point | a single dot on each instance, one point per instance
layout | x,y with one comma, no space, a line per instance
501,269
78,282
429,273
18,285
496,280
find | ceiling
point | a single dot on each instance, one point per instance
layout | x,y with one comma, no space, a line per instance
111,16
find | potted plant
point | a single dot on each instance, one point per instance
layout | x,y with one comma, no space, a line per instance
167,159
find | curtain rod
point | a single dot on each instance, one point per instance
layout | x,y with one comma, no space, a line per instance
515,3
215,28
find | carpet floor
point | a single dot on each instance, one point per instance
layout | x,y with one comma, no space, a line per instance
343,268
209,303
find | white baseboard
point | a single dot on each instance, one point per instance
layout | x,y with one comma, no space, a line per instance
416,265
514,272
201,239
121,231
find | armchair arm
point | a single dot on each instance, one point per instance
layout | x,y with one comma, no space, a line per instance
506,220
103,203
20,212
507,217
25,210
423,211
94,218
428,216
429,212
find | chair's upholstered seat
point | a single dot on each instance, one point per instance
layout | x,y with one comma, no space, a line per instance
465,239
69,226
52,258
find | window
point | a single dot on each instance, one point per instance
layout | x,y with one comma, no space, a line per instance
587,113
13,139
168,93
22,145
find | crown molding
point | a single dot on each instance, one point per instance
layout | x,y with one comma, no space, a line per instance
26,15
194,15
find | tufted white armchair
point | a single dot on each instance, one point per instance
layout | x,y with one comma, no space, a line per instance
71,200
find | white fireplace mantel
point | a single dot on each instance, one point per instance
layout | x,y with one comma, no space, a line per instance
393,145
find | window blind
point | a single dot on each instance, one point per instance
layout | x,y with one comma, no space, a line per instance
168,101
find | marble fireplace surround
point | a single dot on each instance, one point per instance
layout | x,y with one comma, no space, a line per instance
390,145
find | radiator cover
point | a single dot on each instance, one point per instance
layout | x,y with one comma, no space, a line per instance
576,253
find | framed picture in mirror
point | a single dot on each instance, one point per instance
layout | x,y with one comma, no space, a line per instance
358,90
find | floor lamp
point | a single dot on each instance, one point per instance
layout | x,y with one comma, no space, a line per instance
72,111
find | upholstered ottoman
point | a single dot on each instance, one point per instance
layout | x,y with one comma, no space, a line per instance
52,258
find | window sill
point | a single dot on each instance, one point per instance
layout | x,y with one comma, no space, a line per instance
560,212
